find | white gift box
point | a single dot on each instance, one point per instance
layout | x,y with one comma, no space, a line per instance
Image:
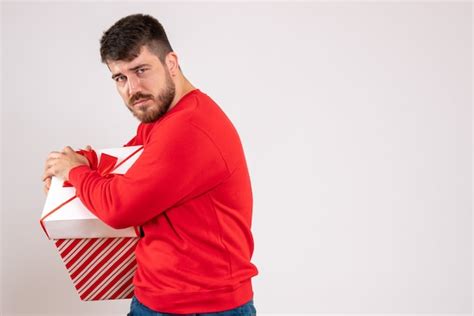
65,217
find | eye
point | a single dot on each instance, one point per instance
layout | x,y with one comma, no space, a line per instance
141,70
120,78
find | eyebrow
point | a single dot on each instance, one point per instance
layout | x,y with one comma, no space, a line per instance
131,69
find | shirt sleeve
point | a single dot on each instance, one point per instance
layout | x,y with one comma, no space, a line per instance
178,163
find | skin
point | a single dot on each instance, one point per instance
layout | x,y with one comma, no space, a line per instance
148,88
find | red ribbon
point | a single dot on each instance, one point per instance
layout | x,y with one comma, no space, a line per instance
104,167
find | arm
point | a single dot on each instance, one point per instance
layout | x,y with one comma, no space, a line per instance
176,164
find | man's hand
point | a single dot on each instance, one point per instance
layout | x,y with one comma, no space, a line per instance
60,163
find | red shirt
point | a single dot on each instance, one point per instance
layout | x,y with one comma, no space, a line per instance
190,190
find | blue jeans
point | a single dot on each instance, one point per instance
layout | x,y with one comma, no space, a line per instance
138,309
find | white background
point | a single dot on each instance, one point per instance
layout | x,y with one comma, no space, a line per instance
355,120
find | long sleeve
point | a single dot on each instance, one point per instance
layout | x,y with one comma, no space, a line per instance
178,162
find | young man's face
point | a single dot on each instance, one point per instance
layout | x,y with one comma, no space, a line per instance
144,84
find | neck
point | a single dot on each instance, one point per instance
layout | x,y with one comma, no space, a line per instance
182,88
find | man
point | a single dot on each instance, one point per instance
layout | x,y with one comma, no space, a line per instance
189,190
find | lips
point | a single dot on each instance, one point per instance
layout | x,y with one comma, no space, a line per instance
139,102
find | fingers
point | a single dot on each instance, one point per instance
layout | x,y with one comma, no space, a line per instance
47,185
49,165
68,149
52,160
50,168
46,171
55,154
47,174
46,189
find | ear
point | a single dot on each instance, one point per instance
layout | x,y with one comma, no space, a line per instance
172,63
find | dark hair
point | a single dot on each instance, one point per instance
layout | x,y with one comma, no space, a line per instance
123,40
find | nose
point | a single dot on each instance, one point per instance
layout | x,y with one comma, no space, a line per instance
133,85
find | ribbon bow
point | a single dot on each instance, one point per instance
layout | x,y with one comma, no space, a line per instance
104,166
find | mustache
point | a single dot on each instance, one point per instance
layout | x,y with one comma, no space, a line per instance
138,97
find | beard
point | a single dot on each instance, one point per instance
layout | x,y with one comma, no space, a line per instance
155,107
